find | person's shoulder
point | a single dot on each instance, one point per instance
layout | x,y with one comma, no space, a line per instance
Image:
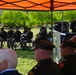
5,32
73,57
11,73
71,60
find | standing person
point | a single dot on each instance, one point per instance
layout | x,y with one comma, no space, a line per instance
3,35
8,62
16,37
73,25
45,65
68,61
9,36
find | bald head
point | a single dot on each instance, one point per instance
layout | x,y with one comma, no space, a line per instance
41,54
10,56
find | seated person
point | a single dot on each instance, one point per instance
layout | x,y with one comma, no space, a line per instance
73,25
8,62
16,37
42,34
9,36
3,35
25,30
26,37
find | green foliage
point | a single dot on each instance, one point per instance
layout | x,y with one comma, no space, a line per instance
34,18
57,16
70,15
14,18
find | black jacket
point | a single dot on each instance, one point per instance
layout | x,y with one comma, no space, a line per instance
45,67
73,26
10,34
17,35
3,35
15,72
68,65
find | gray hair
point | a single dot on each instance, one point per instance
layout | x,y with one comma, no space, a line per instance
10,56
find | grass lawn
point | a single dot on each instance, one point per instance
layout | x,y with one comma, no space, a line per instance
26,58
26,61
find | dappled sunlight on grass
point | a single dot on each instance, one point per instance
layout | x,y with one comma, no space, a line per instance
26,61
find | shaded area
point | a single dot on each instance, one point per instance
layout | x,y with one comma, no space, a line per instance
28,53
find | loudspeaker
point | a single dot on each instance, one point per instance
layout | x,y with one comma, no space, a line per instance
58,26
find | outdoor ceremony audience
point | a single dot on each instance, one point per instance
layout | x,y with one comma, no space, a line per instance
8,62
26,38
16,37
73,25
9,36
3,36
45,65
42,35
68,61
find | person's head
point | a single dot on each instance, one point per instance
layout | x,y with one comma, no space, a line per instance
10,28
29,29
43,49
17,28
68,47
2,29
25,28
43,29
8,59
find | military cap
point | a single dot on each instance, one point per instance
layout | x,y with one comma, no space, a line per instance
68,43
44,44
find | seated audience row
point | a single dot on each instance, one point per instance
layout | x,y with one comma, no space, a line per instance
16,36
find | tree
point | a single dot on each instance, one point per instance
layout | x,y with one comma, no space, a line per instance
14,18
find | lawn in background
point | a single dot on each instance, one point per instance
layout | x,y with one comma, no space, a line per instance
26,61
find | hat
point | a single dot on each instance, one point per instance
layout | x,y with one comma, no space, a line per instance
73,39
44,44
68,43
17,27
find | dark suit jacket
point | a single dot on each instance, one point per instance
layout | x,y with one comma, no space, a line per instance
68,65
4,35
73,26
17,35
45,67
15,72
